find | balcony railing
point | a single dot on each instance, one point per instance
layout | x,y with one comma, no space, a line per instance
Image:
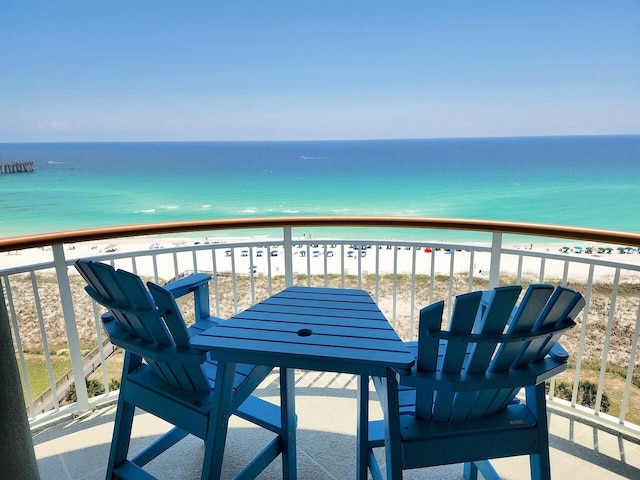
401,275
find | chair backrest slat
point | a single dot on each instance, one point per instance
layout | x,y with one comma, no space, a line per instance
493,321
456,353
522,321
561,304
170,311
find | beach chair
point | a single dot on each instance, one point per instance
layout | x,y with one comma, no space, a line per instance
164,376
459,404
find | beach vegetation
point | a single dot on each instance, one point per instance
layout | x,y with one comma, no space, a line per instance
94,388
587,393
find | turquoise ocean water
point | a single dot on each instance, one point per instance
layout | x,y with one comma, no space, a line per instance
580,181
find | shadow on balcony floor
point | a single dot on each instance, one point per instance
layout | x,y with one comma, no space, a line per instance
326,406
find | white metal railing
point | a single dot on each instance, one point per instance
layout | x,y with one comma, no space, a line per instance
411,279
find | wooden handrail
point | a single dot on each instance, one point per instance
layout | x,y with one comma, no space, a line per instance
631,239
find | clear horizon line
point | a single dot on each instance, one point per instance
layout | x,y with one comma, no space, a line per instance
328,140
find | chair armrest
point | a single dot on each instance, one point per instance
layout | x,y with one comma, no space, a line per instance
558,353
186,285
198,283
531,375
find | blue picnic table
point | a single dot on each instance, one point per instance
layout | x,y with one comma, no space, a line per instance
323,329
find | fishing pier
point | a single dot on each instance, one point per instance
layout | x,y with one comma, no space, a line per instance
17,167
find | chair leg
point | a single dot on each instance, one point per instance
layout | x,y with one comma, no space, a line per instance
218,421
540,463
121,434
470,471
392,435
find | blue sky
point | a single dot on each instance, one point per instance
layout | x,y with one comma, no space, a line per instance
306,70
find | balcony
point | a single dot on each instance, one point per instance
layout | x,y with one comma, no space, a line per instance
602,436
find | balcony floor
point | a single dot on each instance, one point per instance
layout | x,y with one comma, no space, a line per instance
326,407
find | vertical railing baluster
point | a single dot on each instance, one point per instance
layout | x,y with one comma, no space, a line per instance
176,272
413,295
234,283
103,359
156,277
69,316
583,336
542,267
326,266
494,265
565,273
451,272
195,260
377,273
471,263
45,342
252,280
18,339
395,283
216,292
308,257
432,276
607,341
288,257
342,265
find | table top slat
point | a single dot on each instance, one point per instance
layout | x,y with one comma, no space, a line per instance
324,329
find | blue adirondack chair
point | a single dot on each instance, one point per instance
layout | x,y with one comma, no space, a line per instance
164,376
458,404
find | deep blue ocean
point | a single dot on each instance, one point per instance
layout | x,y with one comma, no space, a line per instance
590,181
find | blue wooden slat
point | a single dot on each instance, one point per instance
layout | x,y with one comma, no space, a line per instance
427,350
561,304
273,313
319,328
493,321
535,298
290,342
340,358
450,406
326,303
169,310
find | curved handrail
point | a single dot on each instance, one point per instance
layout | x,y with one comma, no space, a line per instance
519,228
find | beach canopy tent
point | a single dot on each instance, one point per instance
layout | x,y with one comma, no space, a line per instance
458,404
164,376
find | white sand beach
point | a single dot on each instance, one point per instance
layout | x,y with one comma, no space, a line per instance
332,258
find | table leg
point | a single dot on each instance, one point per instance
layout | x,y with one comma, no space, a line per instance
289,423
362,450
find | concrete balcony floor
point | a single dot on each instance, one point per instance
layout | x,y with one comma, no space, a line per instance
326,406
